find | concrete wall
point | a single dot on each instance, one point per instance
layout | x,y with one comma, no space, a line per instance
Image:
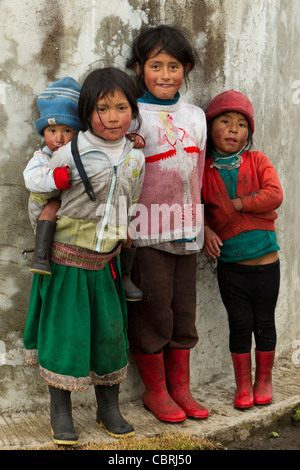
251,46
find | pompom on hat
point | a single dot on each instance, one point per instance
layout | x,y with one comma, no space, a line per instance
231,101
58,105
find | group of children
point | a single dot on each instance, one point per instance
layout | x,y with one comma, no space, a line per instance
121,276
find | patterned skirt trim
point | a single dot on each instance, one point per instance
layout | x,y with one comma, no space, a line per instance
74,384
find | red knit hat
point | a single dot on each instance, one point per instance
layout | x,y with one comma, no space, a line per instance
231,101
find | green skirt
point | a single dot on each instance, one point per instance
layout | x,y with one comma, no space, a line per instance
76,327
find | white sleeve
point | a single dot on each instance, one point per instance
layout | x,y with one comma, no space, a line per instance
38,176
62,157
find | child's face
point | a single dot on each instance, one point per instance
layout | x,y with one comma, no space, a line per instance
163,75
112,117
58,135
229,132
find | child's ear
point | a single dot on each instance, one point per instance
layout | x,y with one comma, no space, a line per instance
188,68
137,68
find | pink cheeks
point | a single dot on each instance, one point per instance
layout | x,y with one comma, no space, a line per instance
229,132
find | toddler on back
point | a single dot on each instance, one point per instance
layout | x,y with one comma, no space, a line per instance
58,124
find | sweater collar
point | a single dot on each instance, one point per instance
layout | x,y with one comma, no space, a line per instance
222,156
151,99
104,144
227,162
47,151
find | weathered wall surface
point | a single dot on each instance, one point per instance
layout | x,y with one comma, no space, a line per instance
251,46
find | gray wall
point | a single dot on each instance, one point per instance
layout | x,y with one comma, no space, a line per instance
249,45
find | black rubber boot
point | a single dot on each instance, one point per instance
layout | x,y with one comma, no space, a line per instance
62,428
132,293
43,240
108,413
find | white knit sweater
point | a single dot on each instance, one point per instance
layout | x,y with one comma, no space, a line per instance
169,207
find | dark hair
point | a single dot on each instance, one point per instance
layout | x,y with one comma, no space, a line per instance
210,145
102,82
164,38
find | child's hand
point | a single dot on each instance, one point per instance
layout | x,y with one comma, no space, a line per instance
69,175
62,177
212,243
237,204
139,142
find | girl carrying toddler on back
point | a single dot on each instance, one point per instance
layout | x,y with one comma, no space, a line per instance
77,318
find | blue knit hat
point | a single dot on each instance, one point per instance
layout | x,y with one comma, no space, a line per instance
58,104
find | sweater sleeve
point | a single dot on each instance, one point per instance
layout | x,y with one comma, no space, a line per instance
61,157
269,194
38,176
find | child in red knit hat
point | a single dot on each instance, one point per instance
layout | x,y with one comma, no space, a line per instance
241,191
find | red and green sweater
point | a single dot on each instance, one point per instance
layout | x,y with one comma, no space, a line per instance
257,185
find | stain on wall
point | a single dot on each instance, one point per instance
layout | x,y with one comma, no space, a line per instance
50,21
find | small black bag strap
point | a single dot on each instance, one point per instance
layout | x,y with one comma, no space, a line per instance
81,170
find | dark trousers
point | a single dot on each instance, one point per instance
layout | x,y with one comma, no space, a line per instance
249,294
165,318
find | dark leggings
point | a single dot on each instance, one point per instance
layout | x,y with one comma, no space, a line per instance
249,294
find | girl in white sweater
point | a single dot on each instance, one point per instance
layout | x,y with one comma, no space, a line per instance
168,220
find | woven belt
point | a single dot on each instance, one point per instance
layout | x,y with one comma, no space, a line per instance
70,255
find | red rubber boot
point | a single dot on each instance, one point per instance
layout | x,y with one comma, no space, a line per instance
156,397
177,367
242,369
263,388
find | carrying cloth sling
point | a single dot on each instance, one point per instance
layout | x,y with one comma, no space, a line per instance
81,170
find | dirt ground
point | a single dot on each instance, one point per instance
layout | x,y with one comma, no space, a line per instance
264,439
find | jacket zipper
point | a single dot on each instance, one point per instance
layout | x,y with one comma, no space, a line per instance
107,208
110,195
